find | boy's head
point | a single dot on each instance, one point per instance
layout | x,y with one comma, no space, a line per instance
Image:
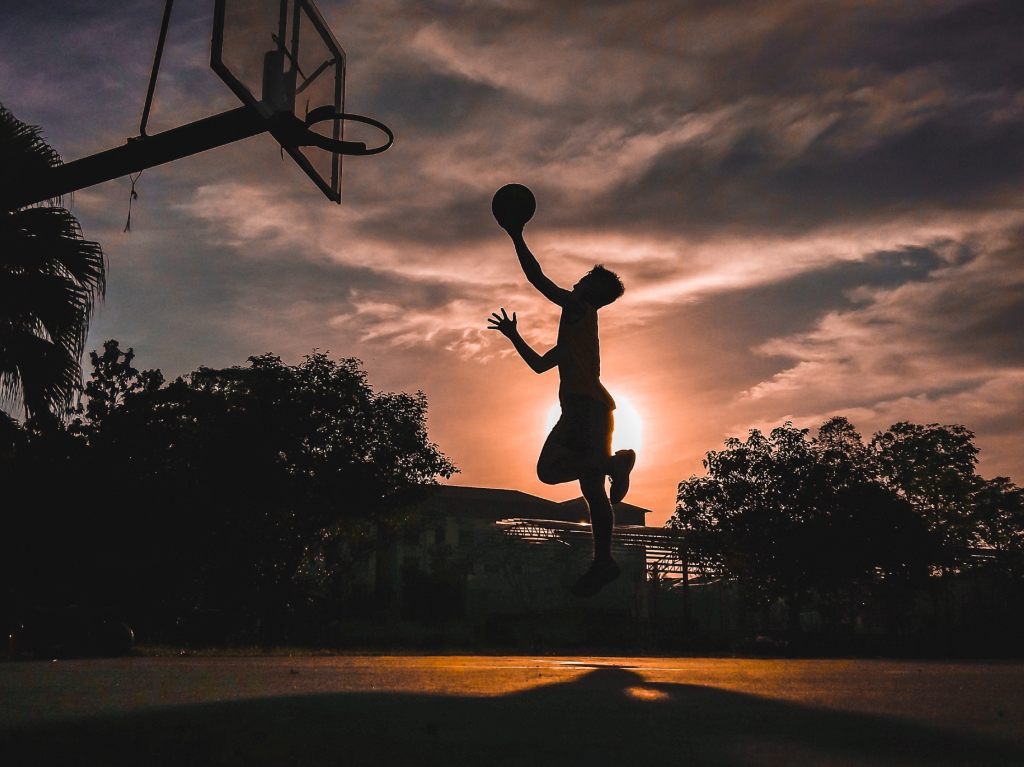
599,287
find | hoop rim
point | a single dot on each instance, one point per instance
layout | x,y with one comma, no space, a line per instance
326,113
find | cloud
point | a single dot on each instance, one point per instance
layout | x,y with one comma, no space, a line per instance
945,347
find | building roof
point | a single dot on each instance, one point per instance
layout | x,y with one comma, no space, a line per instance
625,513
497,503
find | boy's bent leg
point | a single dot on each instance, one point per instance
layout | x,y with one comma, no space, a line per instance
557,463
559,459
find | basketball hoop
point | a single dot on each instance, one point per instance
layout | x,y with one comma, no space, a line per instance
328,113
280,58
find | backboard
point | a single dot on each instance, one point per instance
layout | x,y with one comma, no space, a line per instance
280,56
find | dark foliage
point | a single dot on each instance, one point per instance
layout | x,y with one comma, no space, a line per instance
223,505
50,277
831,521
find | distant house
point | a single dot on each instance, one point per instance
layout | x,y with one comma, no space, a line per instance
477,556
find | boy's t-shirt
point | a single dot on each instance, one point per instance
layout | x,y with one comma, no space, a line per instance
579,358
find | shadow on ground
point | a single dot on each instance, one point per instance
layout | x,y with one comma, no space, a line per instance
607,716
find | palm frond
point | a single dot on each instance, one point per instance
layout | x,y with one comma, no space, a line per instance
23,150
50,239
50,277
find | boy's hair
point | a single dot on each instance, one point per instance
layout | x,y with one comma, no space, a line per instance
606,285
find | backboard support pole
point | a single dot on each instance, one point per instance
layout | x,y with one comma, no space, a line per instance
156,66
138,154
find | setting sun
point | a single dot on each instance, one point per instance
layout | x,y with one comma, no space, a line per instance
628,424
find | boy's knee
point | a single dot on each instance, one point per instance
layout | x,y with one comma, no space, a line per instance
548,475
553,469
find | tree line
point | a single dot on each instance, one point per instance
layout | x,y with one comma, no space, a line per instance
831,521
228,504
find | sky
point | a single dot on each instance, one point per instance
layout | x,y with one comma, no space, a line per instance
815,206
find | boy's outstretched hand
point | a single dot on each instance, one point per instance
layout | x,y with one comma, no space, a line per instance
507,327
503,324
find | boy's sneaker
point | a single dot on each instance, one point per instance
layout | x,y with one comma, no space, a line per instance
600,573
623,462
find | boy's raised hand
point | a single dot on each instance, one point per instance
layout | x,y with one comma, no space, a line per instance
503,324
514,230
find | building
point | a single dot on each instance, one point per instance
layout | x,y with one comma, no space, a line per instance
493,561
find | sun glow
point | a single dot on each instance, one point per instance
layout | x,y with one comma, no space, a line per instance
628,424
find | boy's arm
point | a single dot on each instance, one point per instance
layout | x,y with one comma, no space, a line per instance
507,327
533,272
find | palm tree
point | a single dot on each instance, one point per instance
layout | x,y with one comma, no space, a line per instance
50,277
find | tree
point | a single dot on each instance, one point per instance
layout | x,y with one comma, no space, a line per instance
857,529
230,492
999,511
50,277
749,511
114,381
789,516
838,444
933,468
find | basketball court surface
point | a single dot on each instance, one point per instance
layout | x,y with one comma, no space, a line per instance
392,710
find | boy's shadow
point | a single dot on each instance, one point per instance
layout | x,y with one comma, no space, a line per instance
607,716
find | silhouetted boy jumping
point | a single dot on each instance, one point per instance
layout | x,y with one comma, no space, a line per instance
579,446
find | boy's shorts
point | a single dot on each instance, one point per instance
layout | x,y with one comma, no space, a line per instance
585,428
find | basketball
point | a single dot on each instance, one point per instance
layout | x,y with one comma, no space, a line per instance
513,205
